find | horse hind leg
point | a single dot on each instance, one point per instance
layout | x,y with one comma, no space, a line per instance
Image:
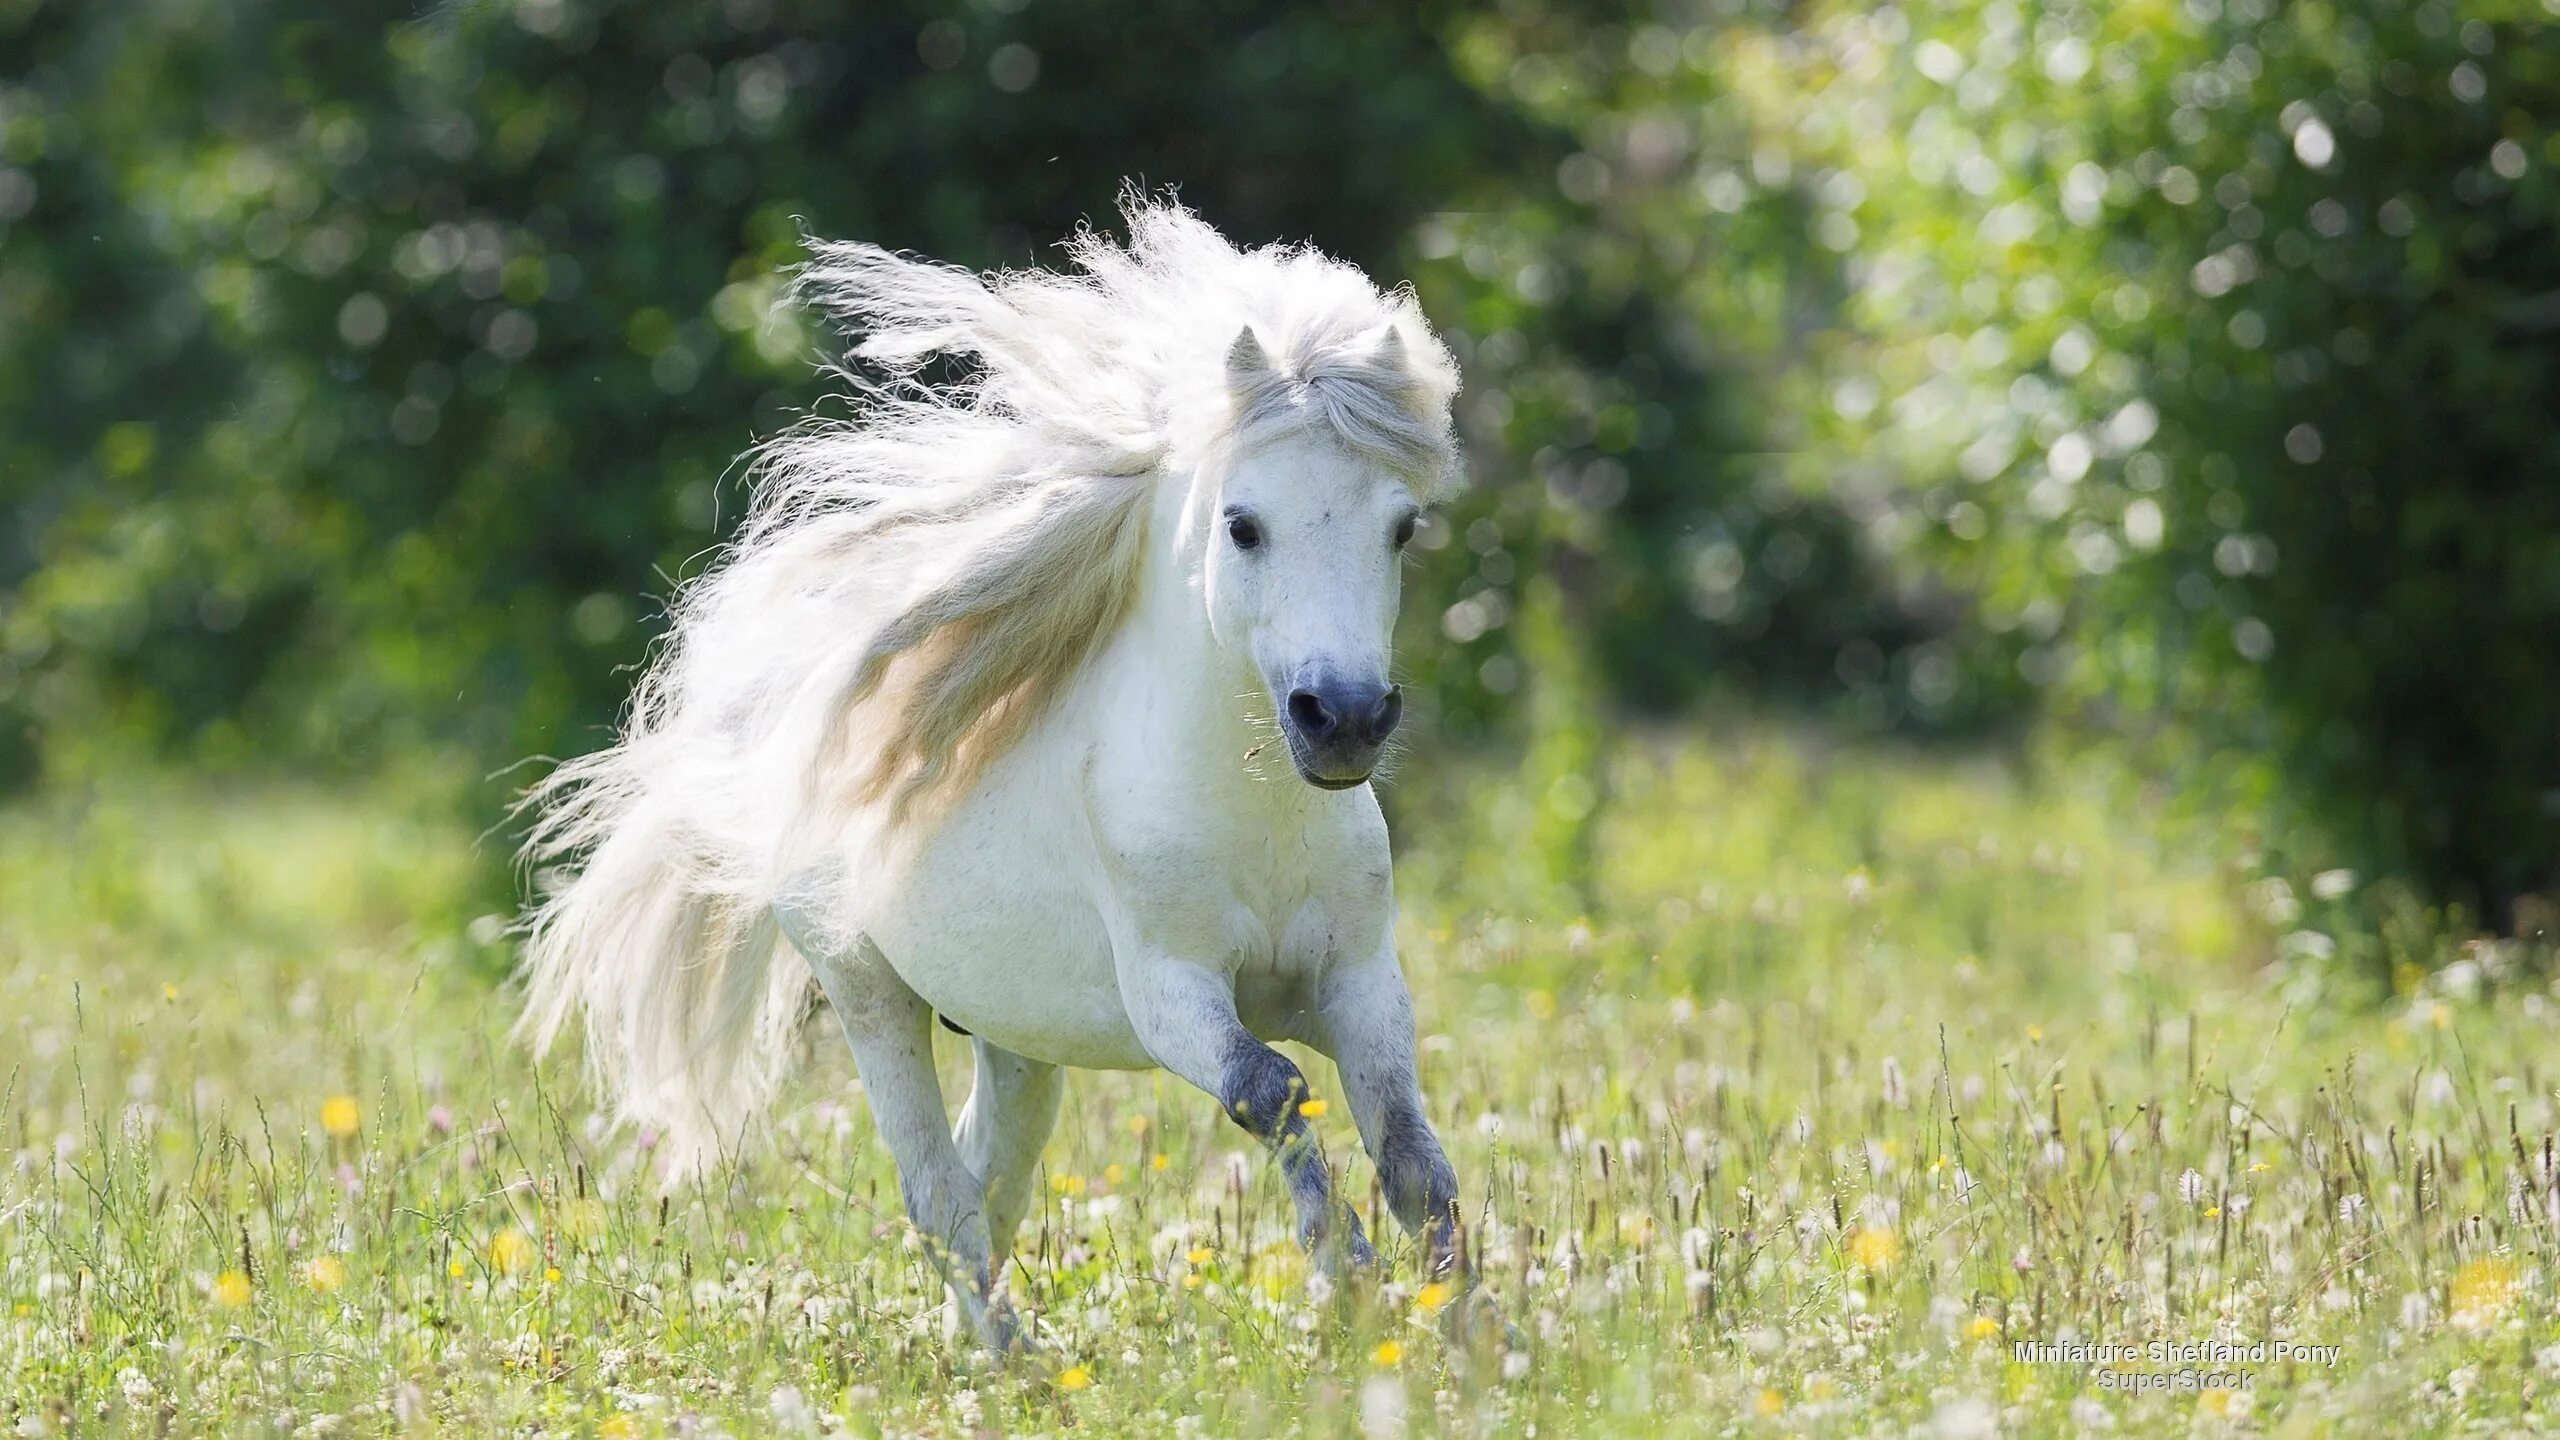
1013,1105
891,1031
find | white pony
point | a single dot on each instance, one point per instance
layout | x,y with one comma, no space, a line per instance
983,714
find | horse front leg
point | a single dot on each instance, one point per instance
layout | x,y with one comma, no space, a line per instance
1364,1021
1185,1015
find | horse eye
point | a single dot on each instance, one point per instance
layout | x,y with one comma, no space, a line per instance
1245,534
1404,531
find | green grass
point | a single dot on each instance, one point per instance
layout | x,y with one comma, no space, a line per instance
1859,1071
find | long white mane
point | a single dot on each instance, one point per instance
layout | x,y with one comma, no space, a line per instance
910,592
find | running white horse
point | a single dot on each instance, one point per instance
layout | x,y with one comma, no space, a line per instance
1045,699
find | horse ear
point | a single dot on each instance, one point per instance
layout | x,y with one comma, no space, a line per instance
1391,351
1245,358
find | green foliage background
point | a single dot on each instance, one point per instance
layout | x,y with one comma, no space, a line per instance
2183,373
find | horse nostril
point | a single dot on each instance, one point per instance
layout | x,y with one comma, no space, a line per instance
1307,711
1384,715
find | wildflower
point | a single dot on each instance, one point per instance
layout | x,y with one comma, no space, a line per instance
341,1116
1200,1255
453,1267
1433,1296
1768,1402
551,1275
1075,1377
2482,1291
1875,1247
2259,1167
1312,1109
618,1427
1160,1161
1388,1353
169,993
511,1250
325,1274
231,1291
1138,1124
1982,1328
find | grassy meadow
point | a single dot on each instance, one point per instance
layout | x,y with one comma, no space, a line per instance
1825,1083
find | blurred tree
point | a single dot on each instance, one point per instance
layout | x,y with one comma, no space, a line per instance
2188,368
2217,349
361,371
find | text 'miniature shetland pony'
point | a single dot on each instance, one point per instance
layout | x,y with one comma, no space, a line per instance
977,716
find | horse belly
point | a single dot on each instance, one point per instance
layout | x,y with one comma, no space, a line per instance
1011,950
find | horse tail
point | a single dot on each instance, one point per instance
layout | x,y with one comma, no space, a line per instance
688,1001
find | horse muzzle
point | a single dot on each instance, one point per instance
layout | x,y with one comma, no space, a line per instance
1337,728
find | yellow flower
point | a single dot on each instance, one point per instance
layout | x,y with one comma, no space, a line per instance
1875,1247
325,1273
551,1275
2216,1403
1982,1328
1768,1402
1312,1109
2440,1016
2035,1032
341,1116
169,993
1067,1184
1387,1353
1114,1173
231,1290
1161,1160
1075,1377
619,1427
1191,1281
511,1250
2259,1167
2482,1290
453,1267
1138,1124
1200,1255
2213,1212
1433,1295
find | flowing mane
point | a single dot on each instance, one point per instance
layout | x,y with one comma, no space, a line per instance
912,589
